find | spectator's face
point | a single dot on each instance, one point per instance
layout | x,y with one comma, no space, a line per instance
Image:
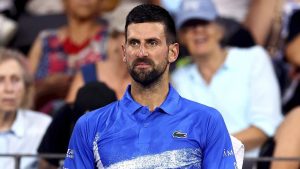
201,38
292,51
147,53
12,86
83,9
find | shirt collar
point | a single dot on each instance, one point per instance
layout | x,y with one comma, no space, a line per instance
18,127
168,106
171,102
128,102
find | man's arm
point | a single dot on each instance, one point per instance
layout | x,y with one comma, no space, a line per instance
80,152
218,151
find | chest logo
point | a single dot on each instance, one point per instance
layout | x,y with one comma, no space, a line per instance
179,134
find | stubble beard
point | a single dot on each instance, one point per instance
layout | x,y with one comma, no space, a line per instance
147,77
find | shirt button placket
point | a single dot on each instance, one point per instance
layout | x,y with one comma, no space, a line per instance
144,134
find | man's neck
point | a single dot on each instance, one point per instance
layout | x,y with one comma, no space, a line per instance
6,120
152,96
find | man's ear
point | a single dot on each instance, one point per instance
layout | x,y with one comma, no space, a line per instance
173,52
123,53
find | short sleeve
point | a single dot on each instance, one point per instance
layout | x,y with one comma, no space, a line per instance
218,151
80,150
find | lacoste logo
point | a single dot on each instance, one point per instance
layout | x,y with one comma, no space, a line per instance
178,134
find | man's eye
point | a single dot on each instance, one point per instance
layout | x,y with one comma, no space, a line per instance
133,43
153,43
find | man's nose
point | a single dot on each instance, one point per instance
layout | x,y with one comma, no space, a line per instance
142,52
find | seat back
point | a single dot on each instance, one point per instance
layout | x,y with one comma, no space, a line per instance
239,150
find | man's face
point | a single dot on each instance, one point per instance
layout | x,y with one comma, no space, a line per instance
12,86
147,53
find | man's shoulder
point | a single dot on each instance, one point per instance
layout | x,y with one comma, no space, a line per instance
96,115
200,109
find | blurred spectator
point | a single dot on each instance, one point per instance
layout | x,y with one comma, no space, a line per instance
240,83
89,97
235,34
58,54
21,129
31,24
287,137
112,71
291,89
288,141
259,18
7,30
41,7
256,15
10,10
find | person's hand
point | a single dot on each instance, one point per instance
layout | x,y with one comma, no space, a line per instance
57,84
51,88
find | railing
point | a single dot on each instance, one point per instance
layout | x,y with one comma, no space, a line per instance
268,159
17,158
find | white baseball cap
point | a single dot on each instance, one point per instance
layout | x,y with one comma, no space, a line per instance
195,9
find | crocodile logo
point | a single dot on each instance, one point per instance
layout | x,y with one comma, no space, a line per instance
179,134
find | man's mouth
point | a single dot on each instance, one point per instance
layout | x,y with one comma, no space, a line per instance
142,65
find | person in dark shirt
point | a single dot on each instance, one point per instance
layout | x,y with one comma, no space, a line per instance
89,97
287,139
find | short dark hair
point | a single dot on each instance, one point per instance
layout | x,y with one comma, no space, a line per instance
152,13
91,96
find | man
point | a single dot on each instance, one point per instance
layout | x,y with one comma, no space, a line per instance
151,126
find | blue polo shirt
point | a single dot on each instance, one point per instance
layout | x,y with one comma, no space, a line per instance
178,134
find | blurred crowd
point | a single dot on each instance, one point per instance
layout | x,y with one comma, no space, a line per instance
60,59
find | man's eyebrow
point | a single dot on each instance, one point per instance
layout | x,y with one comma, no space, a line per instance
152,39
133,39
